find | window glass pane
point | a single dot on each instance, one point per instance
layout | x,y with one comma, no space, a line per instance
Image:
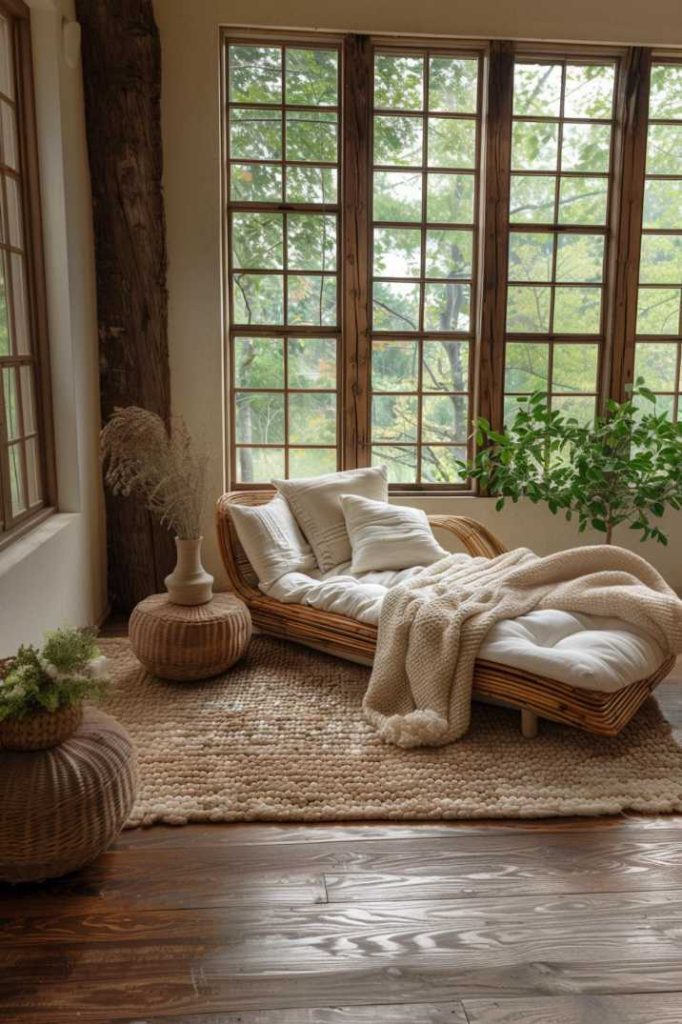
312,184
311,300
258,298
5,344
312,77
575,368
258,363
446,366
311,362
589,90
10,144
16,479
22,334
15,233
257,465
394,417
257,241
665,99
537,89
395,306
528,309
398,195
658,311
532,199
398,82
312,461
661,259
33,471
530,256
586,148
439,464
312,136
449,253
311,242
256,183
397,252
255,74
400,461
312,418
664,149
398,141
447,306
450,198
577,310
28,400
260,418
444,418
583,200
663,204
453,84
255,134
451,142
534,146
6,62
578,407
580,258
11,395
395,365
526,367
656,362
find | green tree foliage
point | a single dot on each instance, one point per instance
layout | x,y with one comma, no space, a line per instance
625,468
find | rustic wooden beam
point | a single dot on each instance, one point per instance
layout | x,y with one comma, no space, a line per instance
357,159
495,207
122,78
632,108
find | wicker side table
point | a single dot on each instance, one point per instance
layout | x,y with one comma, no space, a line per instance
189,642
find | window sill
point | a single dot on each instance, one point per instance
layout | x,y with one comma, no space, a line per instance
21,546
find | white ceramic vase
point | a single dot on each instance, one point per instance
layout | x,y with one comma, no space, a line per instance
189,583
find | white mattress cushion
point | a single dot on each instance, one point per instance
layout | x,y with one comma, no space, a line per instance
315,502
273,543
586,651
385,536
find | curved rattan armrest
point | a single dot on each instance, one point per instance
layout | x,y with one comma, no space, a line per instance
475,537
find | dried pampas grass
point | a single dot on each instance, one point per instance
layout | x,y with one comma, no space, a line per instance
142,458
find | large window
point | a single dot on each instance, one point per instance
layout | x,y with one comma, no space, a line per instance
417,234
22,444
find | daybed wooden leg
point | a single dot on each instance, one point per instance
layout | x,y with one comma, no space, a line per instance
529,724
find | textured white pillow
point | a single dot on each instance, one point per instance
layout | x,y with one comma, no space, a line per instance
315,503
387,536
272,540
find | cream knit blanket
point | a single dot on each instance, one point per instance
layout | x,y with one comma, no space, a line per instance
432,626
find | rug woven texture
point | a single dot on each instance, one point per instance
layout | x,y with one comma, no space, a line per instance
281,737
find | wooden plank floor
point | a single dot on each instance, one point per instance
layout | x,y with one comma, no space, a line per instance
543,922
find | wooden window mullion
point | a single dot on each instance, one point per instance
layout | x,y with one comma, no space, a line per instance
355,235
495,207
632,105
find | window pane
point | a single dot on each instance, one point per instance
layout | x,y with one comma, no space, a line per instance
575,368
400,461
33,471
453,84
312,77
312,136
451,142
311,362
311,242
666,91
397,252
532,199
394,417
395,365
583,200
439,464
6,62
312,461
450,199
398,195
579,407
15,231
256,183
449,253
258,363
530,256
311,300
664,149
663,204
577,310
586,147
260,418
589,90
447,307
258,299
11,394
398,141
526,367
580,258
395,306
398,82
528,309
657,364
312,418
10,145
661,259
257,241
5,345
255,74
28,400
22,333
16,480
444,418
259,465
537,89
658,311
534,146
255,134
446,366
312,184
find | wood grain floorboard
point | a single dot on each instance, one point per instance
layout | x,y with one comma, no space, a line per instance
636,1009
565,921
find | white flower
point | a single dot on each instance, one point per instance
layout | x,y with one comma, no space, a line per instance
98,668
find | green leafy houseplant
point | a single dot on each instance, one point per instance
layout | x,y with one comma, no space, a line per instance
624,468
66,670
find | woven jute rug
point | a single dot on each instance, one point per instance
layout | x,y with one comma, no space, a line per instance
281,737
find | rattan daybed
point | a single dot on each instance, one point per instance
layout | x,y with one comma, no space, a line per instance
535,696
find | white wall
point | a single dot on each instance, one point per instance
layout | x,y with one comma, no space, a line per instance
191,126
56,573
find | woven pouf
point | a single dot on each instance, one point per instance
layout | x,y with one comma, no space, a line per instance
62,807
176,641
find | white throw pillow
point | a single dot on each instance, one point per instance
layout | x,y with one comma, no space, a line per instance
316,505
271,539
387,536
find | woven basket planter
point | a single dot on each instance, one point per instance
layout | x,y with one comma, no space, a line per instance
42,730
